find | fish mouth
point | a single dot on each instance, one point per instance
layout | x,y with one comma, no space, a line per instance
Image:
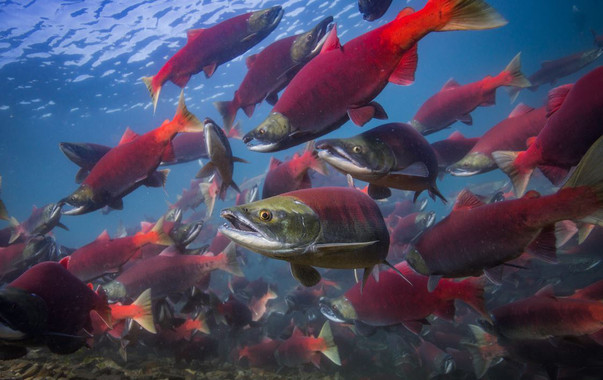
329,312
341,160
259,146
243,232
322,34
73,209
277,17
55,211
462,172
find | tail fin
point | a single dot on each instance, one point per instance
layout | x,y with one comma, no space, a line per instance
17,230
145,319
330,349
235,132
231,264
472,294
203,326
484,351
514,78
519,174
148,81
466,15
313,162
186,120
228,110
160,237
588,173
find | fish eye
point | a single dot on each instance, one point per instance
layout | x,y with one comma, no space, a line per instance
357,149
265,215
262,131
309,37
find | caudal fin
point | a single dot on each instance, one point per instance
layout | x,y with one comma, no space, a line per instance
153,90
484,351
186,120
228,110
16,231
472,293
235,132
514,78
209,197
145,318
519,174
230,262
588,173
466,15
329,349
159,235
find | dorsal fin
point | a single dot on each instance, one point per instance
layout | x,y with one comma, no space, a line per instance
128,136
546,291
450,84
405,12
520,110
456,136
466,200
332,41
250,60
104,236
193,33
556,97
274,162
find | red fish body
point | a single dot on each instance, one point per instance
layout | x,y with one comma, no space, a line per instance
341,82
393,300
543,316
477,237
575,124
130,165
15,258
68,300
410,226
105,255
291,175
206,49
271,70
300,349
510,134
169,274
455,102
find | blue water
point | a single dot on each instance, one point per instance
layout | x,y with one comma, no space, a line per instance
71,71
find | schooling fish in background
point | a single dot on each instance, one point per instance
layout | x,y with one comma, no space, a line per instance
18,256
552,71
260,355
392,155
271,70
342,81
221,158
300,349
200,191
512,133
105,255
41,221
574,123
408,229
49,305
328,227
373,9
392,300
480,238
206,49
455,102
170,274
452,149
128,166
292,175
530,318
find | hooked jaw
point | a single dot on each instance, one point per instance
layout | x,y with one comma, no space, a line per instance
472,164
270,135
243,232
337,157
338,310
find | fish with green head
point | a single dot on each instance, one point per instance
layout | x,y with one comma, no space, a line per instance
327,227
392,155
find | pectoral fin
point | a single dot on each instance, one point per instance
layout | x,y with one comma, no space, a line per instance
305,274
